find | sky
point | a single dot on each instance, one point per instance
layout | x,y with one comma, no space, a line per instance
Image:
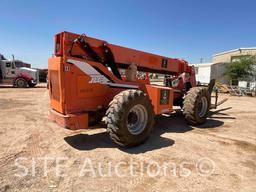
188,29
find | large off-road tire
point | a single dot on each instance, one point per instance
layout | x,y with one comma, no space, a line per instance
21,83
130,118
196,105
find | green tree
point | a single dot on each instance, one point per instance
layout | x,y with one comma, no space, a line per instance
243,69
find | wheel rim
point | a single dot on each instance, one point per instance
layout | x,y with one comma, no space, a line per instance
20,83
202,106
137,119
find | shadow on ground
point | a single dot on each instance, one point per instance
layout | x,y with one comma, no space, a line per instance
175,123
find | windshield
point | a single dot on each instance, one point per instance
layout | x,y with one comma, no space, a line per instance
18,64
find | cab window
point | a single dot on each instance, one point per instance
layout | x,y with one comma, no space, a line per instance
8,65
18,64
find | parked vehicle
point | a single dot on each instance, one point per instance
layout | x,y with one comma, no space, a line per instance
86,86
17,73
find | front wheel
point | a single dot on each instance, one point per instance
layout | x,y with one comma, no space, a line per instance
196,105
130,118
21,83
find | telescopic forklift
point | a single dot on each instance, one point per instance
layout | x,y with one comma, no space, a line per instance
91,79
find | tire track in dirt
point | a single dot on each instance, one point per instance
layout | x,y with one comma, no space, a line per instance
33,144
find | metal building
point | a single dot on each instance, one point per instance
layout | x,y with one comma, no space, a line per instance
216,69
233,55
207,71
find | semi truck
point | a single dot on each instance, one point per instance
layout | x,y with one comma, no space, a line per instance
17,73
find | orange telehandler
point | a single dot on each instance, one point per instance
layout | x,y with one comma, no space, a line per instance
90,79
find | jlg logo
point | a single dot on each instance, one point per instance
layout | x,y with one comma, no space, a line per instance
98,79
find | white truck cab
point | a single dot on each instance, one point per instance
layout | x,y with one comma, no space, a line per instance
15,73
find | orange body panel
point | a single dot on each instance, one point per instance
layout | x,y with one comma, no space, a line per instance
70,121
154,93
72,95
56,83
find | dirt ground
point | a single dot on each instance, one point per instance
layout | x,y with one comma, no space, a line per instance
39,155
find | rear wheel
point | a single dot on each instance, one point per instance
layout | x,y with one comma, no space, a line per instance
21,83
196,105
254,92
130,118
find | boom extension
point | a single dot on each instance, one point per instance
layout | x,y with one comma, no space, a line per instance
95,50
